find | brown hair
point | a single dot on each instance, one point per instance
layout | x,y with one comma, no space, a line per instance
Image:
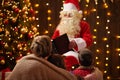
41,46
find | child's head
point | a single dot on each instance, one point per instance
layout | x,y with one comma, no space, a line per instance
85,57
57,60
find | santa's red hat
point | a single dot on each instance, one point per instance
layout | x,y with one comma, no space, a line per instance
71,60
71,63
71,5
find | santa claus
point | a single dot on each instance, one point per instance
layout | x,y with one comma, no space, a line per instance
71,23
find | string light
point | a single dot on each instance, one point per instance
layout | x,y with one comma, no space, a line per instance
94,37
46,32
106,64
118,67
107,58
118,37
97,50
119,54
107,51
118,49
96,57
105,5
105,71
36,5
95,42
95,30
49,18
97,63
87,1
108,77
105,39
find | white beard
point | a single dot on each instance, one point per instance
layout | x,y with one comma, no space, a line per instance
69,25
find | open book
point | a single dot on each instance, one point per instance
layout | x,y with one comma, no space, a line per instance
61,44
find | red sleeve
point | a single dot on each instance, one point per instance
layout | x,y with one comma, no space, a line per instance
55,34
85,33
81,72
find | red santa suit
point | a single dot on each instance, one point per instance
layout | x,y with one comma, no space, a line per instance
78,31
71,23
83,39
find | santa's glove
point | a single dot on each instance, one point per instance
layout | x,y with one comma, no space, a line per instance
72,44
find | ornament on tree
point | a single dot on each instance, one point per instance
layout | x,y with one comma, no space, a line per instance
1,14
16,10
6,46
14,20
30,34
2,61
33,18
14,7
34,29
6,21
19,46
1,29
24,30
2,2
30,19
32,11
25,49
16,29
1,43
7,32
24,16
26,1
25,8
6,3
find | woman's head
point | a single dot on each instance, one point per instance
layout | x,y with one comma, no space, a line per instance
41,46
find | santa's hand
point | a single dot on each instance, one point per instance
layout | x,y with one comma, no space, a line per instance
72,44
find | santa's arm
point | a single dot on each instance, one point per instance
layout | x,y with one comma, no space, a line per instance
85,38
55,34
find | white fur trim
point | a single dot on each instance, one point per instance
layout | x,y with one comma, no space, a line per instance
71,53
69,6
80,43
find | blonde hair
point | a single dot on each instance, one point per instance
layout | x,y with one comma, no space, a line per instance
41,46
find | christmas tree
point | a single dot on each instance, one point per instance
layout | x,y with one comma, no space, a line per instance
17,29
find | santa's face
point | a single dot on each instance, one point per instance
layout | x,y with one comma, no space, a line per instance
70,23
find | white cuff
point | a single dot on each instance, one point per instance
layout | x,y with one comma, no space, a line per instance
80,43
71,53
